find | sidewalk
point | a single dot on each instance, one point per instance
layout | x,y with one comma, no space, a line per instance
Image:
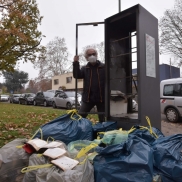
171,128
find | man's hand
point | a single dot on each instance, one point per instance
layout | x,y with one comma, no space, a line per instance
76,58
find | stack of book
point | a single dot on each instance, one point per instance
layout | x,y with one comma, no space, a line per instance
56,151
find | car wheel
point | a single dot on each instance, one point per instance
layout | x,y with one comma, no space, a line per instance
54,105
172,115
68,105
34,103
45,104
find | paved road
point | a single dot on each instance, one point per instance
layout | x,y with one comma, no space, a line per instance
170,128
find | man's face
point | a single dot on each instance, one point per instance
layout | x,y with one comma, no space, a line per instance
91,52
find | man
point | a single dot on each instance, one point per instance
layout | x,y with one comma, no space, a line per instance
93,75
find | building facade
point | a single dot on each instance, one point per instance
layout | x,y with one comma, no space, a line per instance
66,81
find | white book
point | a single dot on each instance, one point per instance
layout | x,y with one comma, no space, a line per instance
65,163
54,144
54,152
38,144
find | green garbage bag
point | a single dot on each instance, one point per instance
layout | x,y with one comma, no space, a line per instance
75,147
114,137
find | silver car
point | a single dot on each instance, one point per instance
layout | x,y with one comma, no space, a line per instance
171,98
66,99
4,98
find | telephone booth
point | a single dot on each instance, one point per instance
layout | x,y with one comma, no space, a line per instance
132,68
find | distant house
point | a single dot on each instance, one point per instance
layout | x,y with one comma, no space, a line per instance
66,81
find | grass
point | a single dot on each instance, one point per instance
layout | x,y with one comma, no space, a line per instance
21,121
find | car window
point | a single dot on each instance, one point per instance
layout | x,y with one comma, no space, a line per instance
173,90
30,95
168,90
62,94
17,95
70,94
178,90
39,94
49,94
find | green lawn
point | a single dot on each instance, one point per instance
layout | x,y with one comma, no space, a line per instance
21,121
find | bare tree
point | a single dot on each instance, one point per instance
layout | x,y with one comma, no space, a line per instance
53,60
32,86
170,26
39,85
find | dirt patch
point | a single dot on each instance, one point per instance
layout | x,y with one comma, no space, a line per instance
171,128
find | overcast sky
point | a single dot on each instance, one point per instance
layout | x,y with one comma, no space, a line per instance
61,16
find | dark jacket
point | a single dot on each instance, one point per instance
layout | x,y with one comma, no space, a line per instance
86,73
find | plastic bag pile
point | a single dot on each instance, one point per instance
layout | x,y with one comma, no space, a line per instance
104,152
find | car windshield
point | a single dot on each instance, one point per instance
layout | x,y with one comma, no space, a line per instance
49,94
72,94
4,95
31,95
17,95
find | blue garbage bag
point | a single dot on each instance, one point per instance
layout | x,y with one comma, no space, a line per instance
168,157
67,128
103,127
131,161
144,133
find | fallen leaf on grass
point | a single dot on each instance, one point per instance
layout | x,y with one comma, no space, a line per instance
27,125
3,138
11,129
10,136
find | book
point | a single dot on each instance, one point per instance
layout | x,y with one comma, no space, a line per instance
39,144
65,163
54,152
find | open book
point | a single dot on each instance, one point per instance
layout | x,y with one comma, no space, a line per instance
54,152
39,144
65,163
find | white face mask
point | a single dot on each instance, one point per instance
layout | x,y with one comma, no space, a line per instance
92,59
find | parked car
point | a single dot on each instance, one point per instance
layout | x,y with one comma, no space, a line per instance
66,99
26,98
171,98
4,98
43,98
14,98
